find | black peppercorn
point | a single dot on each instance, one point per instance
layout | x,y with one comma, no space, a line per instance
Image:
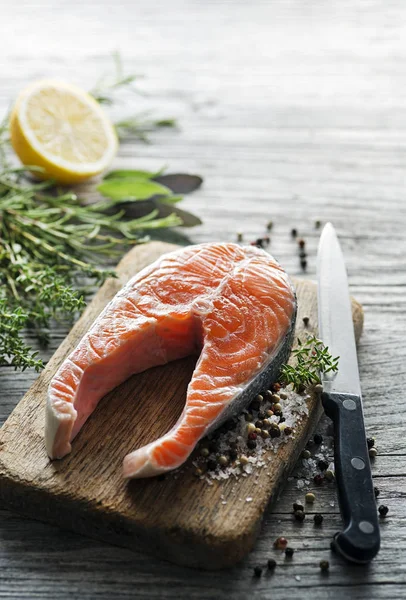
370,442
318,519
306,321
322,465
211,464
255,404
257,571
318,438
261,415
293,233
251,444
303,263
383,510
289,552
299,515
259,424
274,431
298,506
271,564
318,479
324,565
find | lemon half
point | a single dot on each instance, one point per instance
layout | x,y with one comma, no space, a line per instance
61,128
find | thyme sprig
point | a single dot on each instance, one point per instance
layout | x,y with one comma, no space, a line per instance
311,358
49,242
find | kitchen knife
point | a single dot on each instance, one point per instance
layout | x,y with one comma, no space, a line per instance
341,398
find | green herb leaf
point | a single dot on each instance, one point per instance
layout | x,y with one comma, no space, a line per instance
132,173
129,188
311,359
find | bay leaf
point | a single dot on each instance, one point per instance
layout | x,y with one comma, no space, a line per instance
180,183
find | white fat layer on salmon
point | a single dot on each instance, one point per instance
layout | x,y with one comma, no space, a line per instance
234,305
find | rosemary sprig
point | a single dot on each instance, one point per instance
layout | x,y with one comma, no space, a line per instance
311,358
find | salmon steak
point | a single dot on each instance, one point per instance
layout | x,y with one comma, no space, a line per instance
233,306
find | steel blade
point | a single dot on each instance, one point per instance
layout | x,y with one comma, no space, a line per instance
336,328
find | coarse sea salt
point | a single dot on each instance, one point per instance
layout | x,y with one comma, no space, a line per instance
294,409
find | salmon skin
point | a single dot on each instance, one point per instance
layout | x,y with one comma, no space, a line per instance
234,306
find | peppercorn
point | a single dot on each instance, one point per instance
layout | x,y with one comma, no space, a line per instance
277,413
243,459
306,454
277,407
257,571
377,491
269,225
318,388
240,236
318,519
383,510
298,506
223,460
317,223
268,394
322,465
265,434
262,415
251,444
329,475
288,430
301,243
280,543
211,464
289,552
283,396
324,565
372,452
252,435
255,404
306,321
318,479
267,423
299,515
310,498
205,452
251,427
318,438
260,242
258,430
274,431
248,417
198,472
269,413
259,424
370,442
303,264
233,453
275,387
271,564
293,233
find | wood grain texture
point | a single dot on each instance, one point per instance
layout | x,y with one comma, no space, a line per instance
180,518
290,111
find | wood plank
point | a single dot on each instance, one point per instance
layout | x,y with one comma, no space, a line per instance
190,523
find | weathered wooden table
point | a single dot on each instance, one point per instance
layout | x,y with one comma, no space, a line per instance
291,112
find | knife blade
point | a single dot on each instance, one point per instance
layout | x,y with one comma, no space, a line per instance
342,402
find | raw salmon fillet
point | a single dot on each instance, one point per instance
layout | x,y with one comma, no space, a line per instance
233,305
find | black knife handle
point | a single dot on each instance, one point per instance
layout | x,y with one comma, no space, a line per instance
360,540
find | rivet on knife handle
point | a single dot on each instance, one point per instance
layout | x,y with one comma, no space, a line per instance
360,539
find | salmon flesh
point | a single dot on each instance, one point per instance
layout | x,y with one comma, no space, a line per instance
234,306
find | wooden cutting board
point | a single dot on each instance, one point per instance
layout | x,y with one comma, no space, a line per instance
181,519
